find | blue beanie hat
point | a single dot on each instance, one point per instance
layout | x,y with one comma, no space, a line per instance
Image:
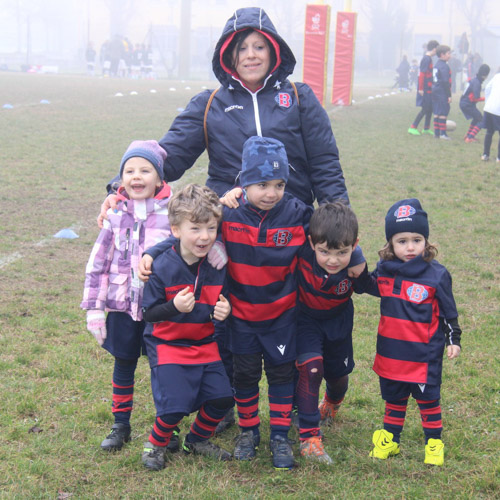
149,150
263,159
406,216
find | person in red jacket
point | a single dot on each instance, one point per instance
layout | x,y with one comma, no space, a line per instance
418,317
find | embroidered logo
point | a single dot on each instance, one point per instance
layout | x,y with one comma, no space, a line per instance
346,360
282,238
404,211
283,99
281,349
422,387
342,287
234,106
417,293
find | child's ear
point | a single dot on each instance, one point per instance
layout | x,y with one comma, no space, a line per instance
310,241
355,244
175,231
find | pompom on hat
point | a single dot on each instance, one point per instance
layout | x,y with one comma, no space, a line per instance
406,216
149,150
263,159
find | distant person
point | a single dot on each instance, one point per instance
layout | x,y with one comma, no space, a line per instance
468,101
441,92
491,115
403,71
424,91
418,319
90,55
111,282
183,296
456,69
414,74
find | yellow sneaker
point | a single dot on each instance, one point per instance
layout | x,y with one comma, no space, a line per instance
434,452
384,446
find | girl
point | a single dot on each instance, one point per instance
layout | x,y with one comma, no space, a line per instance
111,282
418,317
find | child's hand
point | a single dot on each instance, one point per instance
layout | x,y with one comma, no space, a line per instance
230,199
453,351
144,269
222,308
109,202
217,256
96,324
184,301
355,271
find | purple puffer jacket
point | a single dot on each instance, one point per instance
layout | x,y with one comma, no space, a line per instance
111,281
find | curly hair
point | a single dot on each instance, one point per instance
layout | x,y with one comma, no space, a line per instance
387,252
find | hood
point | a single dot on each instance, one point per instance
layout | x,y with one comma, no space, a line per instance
256,18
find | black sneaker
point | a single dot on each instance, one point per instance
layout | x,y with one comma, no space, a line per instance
153,457
246,445
281,449
206,448
226,422
174,443
120,434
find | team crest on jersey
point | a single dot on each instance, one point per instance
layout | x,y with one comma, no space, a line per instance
417,293
404,211
282,238
342,287
283,99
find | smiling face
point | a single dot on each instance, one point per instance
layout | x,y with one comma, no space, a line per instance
252,60
407,246
140,179
266,194
196,238
332,260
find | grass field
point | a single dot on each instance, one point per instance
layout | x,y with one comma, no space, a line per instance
55,382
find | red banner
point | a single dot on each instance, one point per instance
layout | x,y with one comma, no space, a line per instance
343,64
317,29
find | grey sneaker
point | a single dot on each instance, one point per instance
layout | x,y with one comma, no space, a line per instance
485,158
119,435
246,445
313,449
281,449
206,448
226,422
153,457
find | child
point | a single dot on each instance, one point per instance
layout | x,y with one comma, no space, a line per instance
424,91
414,74
418,317
182,297
441,91
470,97
324,333
491,115
111,282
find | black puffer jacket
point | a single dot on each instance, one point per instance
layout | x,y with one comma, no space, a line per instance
236,114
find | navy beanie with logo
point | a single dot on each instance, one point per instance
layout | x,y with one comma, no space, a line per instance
263,159
149,150
406,216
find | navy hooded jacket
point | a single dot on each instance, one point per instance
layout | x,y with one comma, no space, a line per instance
236,114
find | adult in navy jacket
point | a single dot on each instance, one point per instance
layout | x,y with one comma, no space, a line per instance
255,98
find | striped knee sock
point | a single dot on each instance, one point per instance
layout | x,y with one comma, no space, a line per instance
430,413
123,391
394,418
163,428
206,421
280,409
247,403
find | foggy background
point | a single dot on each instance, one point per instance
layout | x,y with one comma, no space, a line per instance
182,33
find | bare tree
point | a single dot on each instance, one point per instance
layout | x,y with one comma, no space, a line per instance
476,13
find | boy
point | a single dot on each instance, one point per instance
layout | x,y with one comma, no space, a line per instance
441,91
263,237
182,296
324,334
468,101
424,91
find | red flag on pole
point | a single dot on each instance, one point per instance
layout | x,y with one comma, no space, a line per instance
317,28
